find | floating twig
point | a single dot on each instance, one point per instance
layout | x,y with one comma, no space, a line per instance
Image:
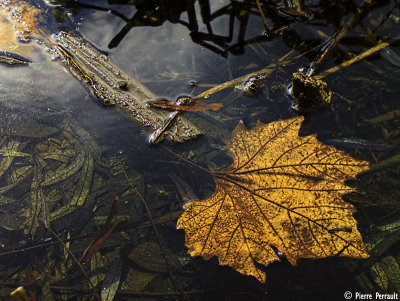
264,19
355,59
264,72
104,232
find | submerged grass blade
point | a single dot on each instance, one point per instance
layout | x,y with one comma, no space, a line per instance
67,172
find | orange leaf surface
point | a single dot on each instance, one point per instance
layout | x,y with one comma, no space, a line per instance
22,16
281,190
18,22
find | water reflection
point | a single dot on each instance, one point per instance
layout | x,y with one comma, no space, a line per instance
199,17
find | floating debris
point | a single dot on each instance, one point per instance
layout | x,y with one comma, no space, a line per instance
162,129
195,106
148,256
111,282
252,86
109,83
294,8
308,91
113,86
32,170
13,58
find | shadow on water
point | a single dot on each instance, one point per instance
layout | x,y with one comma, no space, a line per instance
64,156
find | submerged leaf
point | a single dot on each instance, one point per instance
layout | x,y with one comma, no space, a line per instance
148,255
111,282
30,282
105,231
137,281
281,191
64,173
6,161
386,274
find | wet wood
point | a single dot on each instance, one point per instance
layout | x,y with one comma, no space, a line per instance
114,87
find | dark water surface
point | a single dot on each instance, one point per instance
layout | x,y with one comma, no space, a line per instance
56,122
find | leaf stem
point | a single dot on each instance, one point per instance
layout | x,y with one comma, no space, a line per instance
189,162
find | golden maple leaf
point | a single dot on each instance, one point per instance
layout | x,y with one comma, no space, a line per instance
281,191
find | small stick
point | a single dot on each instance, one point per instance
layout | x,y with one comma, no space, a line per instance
3,140
78,263
187,161
339,35
46,221
133,225
264,19
265,72
156,134
342,97
387,163
155,230
384,117
355,59
235,81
